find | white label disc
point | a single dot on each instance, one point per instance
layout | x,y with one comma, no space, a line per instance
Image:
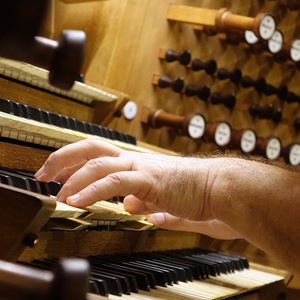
130,110
250,37
248,141
275,42
222,134
294,155
295,50
273,148
267,27
196,126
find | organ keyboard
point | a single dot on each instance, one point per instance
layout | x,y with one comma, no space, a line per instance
36,126
38,78
182,274
65,217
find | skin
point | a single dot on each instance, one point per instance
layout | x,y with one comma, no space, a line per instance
223,197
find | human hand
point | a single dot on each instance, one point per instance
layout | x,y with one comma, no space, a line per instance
93,170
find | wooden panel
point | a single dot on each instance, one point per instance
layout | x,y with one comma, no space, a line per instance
124,38
23,215
31,96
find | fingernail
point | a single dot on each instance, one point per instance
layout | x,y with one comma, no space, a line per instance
157,219
40,172
73,199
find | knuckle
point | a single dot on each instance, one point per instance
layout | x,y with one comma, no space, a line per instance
96,163
67,185
52,157
94,188
115,179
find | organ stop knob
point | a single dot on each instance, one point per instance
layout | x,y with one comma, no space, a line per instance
176,85
218,132
20,22
192,125
244,140
266,112
183,57
291,154
210,67
202,92
263,25
269,147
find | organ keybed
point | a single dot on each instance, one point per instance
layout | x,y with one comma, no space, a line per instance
197,78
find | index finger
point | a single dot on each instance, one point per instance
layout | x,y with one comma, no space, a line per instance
74,154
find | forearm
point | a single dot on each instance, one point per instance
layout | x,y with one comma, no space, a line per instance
262,203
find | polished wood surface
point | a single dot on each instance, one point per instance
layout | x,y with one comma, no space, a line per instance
122,53
23,215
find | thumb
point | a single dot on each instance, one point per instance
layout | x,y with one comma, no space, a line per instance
213,228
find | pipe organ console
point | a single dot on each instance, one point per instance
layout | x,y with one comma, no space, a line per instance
147,64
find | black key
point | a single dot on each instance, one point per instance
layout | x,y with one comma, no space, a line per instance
55,119
231,263
234,262
170,272
20,182
5,179
181,271
131,279
46,117
144,280
34,185
93,287
98,286
243,261
27,182
118,259
191,270
96,130
6,106
214,266
105,132
159,275
24,111
80,126
178,273
65,122
110,134
54,187
35,114
198,269
131,139
226,262
124,283
211,267
88,128
118,136
45,190
113,283
16,109
72,124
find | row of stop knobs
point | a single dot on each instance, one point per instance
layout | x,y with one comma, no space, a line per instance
220,133
203,91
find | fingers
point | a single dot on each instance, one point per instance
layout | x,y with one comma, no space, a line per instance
74,154
213,228
120,183
91,172
66,173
